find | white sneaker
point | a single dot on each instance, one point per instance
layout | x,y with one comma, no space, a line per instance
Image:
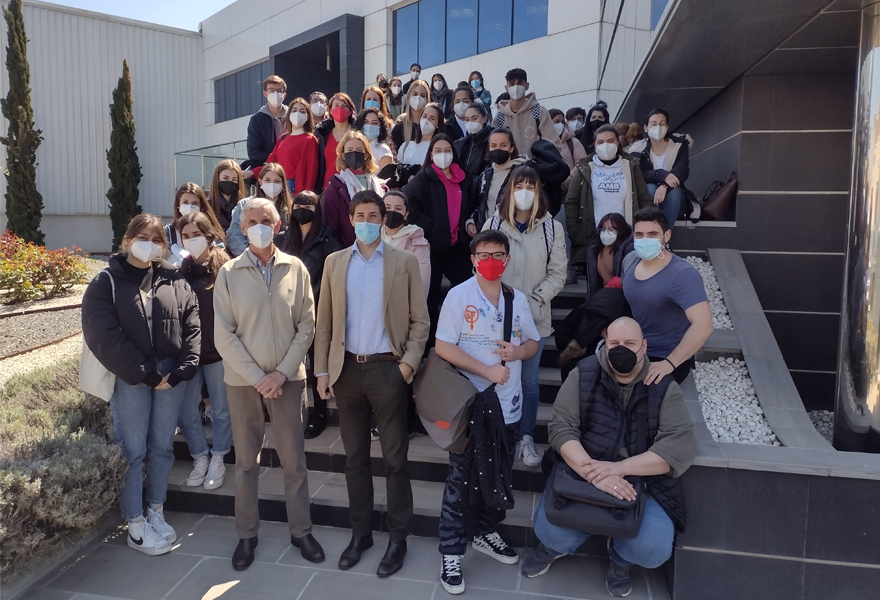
209,414
530,456
491,544
156,519
143,538
450,573
200,469
216,473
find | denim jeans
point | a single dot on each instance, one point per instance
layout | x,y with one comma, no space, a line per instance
190,422
531,391
649,549
672,204
144,421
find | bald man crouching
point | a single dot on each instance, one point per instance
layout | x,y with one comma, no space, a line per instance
607,388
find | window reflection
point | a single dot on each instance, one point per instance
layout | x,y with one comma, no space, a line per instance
529,20
406,38
432,33
461,28
496,20
239,94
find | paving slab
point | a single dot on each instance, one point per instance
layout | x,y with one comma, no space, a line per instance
215,578
581,578
326,584
216,537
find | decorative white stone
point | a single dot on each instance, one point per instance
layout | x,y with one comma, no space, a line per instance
720,317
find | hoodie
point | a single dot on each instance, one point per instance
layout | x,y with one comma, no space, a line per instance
488,188
529,124
572,155
263,131
412,239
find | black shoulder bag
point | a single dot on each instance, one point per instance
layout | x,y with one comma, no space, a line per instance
574,503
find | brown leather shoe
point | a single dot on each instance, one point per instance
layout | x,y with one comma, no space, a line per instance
244,553
309,547
392,562
352,554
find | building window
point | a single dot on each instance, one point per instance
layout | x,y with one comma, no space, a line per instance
657,8
433,32
239,94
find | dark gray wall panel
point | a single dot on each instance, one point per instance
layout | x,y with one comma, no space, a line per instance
808,341
797,282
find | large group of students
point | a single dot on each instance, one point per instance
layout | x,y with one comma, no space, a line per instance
320,262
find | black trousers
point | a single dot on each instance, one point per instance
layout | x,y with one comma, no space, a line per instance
455,264
681,371
458,521
361,391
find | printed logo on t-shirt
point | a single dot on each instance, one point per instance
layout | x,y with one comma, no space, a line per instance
610,186
609,181
471,315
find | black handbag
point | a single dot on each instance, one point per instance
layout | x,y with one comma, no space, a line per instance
574,503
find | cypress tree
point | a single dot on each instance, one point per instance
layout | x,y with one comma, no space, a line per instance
122,160
24,204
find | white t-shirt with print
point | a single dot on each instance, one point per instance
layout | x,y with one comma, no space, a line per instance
609,188
468,320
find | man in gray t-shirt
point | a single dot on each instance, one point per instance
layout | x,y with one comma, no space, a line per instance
667,298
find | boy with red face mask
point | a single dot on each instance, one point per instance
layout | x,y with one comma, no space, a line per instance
470,335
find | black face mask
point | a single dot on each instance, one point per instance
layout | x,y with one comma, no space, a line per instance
303,215
228,188
393,219
354,160
596,124
499,157
622,359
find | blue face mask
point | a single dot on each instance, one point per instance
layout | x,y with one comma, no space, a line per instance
367,233
477,84
647,248
371,104
371,132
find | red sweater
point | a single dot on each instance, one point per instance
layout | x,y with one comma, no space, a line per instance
298,156
329,158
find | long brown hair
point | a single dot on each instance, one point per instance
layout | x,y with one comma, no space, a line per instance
205,206
284,203
225,165
507,206
217,256
308,126
138,224
383,106
294,234
406,115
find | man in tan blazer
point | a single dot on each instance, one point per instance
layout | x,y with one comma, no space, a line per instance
372,326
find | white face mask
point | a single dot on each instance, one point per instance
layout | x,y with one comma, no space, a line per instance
260,236
516,92
298,119
426,126
473,127
185,209
318,109
145,251
658,132
576,125
606,151
442,159
271,189
523,199
414,75
460,109
275,99
417,102
559,127
395,89
196,246
438,85
607,237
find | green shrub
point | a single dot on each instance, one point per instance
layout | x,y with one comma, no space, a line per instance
59,466
30,272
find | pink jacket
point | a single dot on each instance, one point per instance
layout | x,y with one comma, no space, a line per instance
572,158
412,239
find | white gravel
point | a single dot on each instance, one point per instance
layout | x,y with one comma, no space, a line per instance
730,405
823,421
720,317
39,358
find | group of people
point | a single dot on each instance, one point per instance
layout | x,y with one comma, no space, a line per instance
331,276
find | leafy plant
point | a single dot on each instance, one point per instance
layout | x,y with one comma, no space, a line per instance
122,160
30,272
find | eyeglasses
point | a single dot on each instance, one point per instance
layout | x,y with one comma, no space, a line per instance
486,255
609,230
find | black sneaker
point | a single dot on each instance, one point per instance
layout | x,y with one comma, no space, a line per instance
538,562
374,434
316,424
492,545
450,573
618,581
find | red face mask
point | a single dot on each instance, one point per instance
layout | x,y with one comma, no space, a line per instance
491,268
340,114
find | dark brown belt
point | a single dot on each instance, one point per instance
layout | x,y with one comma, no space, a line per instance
371,358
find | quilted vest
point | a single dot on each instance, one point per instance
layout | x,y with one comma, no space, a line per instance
605,427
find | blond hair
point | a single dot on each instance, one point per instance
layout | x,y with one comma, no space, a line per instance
354,134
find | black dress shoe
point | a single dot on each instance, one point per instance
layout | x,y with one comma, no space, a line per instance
352,554
244,554
393,560
309,547
317,423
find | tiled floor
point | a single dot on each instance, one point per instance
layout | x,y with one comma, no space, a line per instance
199,568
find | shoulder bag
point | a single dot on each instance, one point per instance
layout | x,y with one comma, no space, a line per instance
94,377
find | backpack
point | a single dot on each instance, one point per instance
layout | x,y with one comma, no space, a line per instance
549,233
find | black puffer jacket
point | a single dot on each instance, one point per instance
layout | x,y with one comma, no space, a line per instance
594,281
200,279
118,334
473,151
426,202
312,256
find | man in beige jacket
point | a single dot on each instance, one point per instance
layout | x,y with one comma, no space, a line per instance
264,323
372,329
